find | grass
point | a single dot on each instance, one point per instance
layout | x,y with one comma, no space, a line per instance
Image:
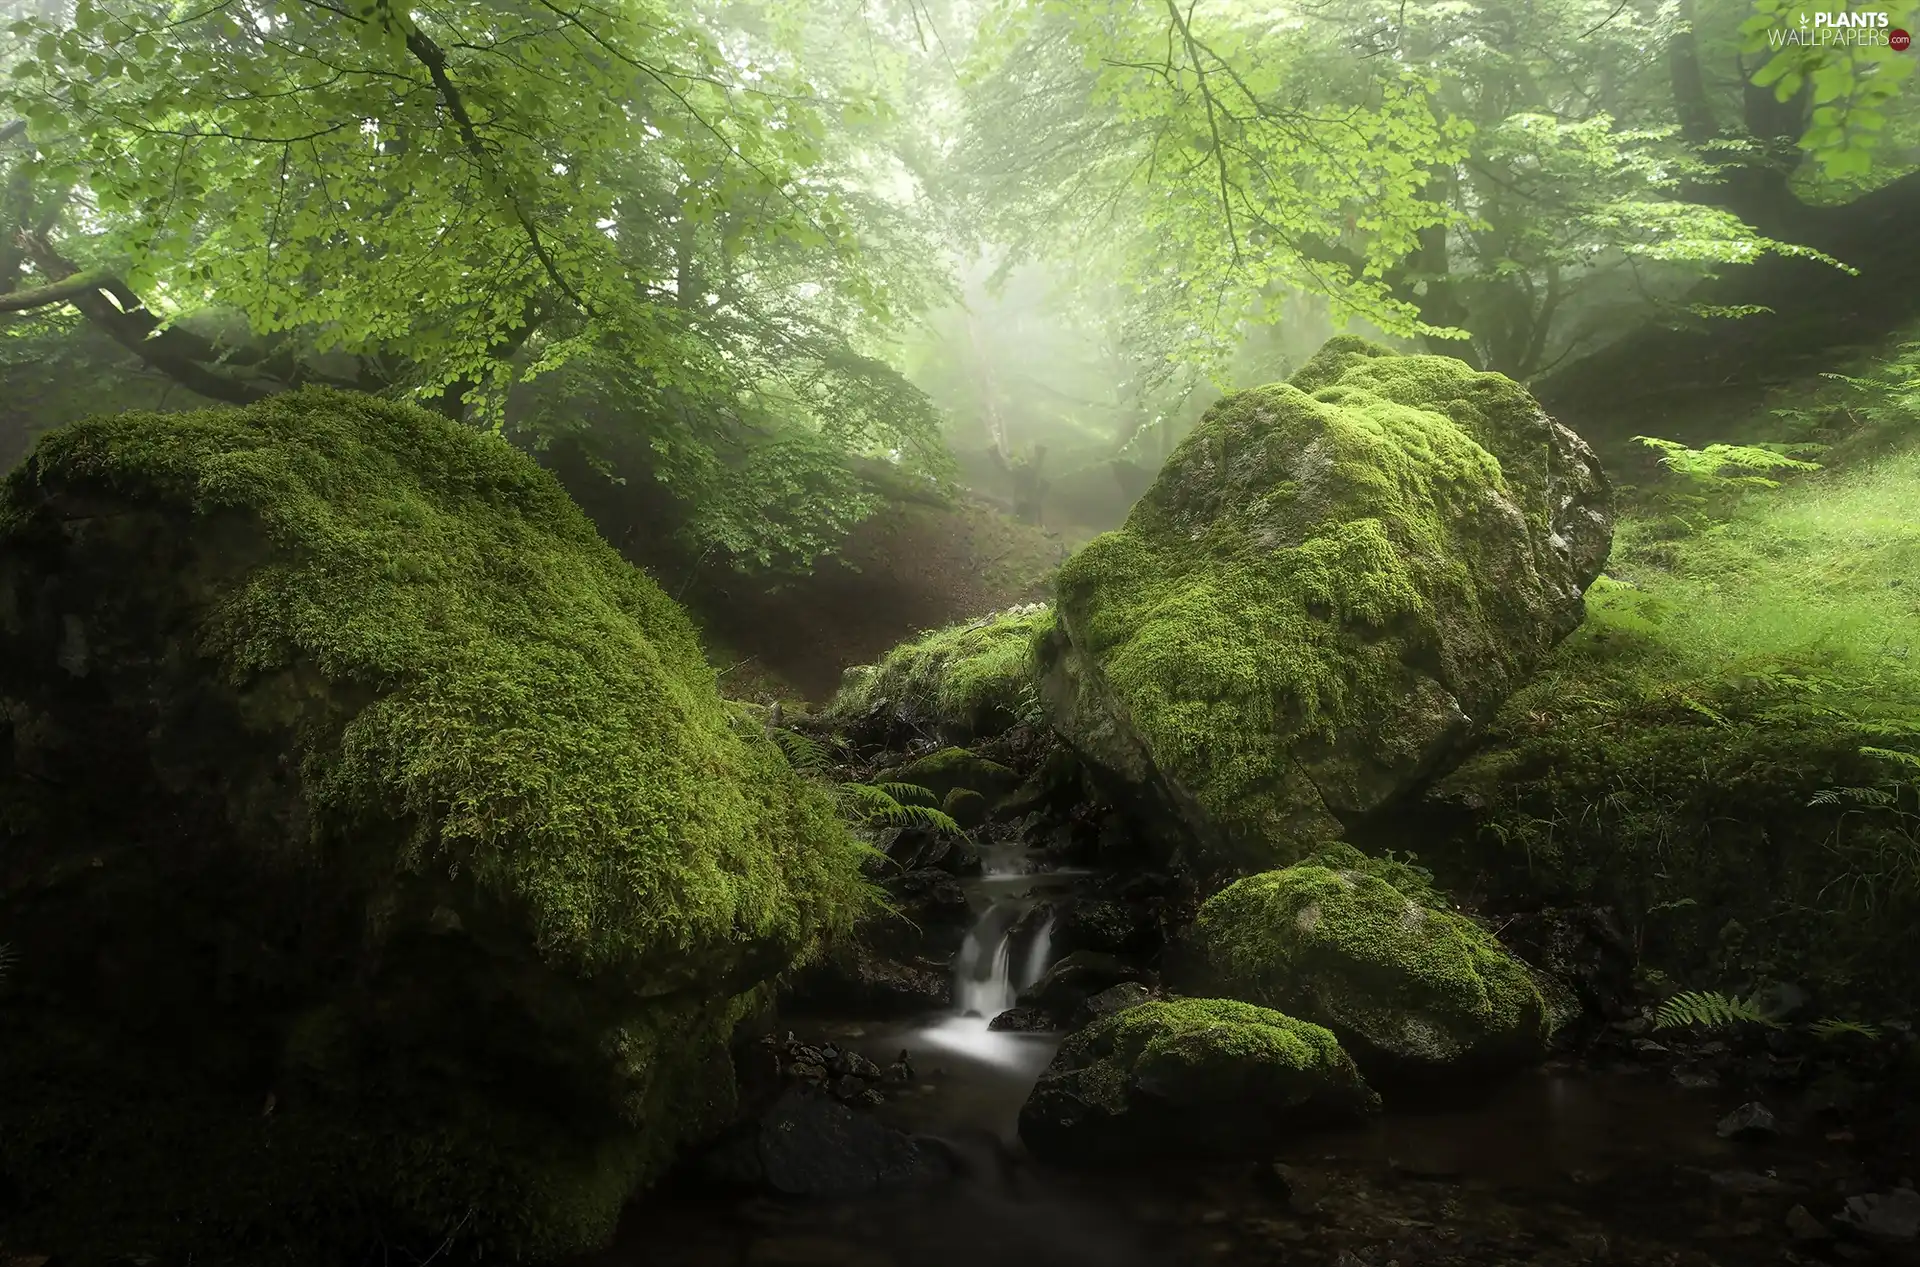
1723,750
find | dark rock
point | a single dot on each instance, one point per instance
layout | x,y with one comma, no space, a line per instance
853,1064
1073,979
1803,1226
1115,928
856,978
1891,1216
1023,1019
966,807
847,1087
1752,1120
1583,948
809,1145
1114,998
1745,1183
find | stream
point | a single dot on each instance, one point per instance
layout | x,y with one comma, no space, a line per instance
1559,1164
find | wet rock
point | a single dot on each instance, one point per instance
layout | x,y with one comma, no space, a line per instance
1695,1077
1073,979
901,1070
1745,1183
1023,1020
1111,927
1751,1121
853,1064
1803,1226
1582,948
1211,1077
1891,1216
1115,998
1648,1048
965,807
810,1145
858,979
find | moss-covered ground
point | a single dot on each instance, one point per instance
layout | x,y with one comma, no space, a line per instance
1727,747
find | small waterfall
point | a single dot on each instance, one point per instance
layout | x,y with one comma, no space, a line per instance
1036,961
985,982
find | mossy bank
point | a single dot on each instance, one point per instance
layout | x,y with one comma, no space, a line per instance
381,863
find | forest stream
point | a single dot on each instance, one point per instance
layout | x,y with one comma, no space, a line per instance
1638,1151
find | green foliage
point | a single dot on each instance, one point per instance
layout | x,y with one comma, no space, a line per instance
1705,1009
1852,85
965,680
660,213
885,804
1682,755
1705,470
1834,1027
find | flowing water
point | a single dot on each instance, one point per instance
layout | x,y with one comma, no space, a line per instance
1553,1166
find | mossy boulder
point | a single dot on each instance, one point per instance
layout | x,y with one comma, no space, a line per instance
364,782
1330,584
947,769
1412,990
963,682
1212,1077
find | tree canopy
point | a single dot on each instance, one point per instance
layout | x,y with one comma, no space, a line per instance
718,244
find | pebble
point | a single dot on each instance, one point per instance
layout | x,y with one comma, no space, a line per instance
1802,1226
1752,1120
1893,1216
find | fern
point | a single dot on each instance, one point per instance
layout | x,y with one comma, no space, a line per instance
1836,1027
1708,1009
875,805
6,962
805,754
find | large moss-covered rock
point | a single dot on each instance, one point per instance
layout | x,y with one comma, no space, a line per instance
350,774
1206,1076
962,682
1330,583
1409,988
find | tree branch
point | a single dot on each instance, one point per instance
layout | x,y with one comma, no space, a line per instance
430,55
59,292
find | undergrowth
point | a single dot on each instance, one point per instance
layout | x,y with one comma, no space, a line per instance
1729,748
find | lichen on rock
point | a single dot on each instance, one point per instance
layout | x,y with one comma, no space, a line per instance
1330,583
1409,988
385,784
1207,1076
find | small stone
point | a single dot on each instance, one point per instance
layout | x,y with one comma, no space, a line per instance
872,1098
1647,1047
1632,1026
1744,1182
1752,1120
1275,1179
807,1071
1212,1217
1802,1226
898,1072
1592,1247
1695,1079
848,1087
1893,1216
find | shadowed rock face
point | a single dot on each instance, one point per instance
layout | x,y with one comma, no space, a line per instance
1332,582
341,760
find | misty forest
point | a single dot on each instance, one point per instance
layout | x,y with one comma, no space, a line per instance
923,633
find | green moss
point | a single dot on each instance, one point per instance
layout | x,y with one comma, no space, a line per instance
965,806
966,680
1403,984
1214,1073
949,768
391,736
1296,614
1676,757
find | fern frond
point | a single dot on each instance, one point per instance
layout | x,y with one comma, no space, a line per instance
908,793
1707,1009
1838,1027
869,804
1898,756
6,961
805,754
